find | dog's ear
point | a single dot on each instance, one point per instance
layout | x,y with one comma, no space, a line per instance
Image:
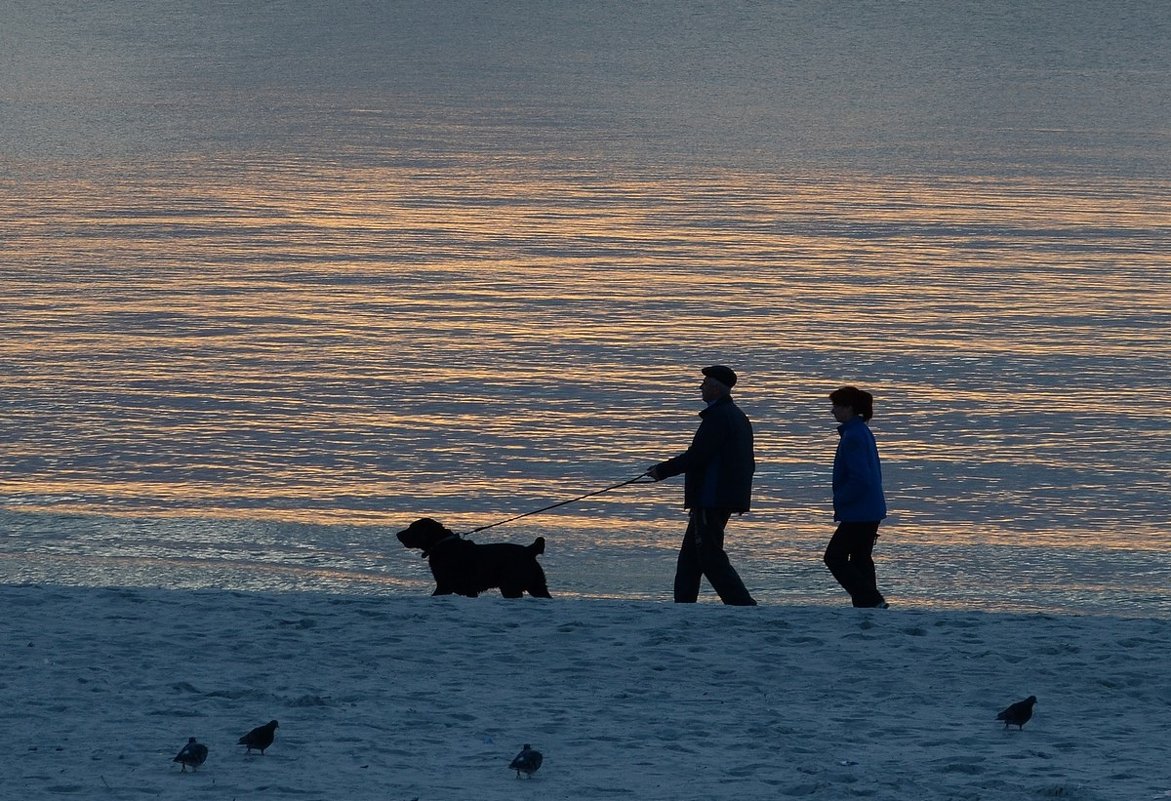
432,526
424,527
421,523
411,531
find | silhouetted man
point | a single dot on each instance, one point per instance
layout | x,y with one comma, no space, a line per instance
718,481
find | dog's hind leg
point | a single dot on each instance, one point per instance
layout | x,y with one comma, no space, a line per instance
537,586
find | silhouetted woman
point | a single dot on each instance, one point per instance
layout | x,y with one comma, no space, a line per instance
859,505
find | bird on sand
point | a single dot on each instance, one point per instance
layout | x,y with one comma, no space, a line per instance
193,754
1018,714
259,738
527,761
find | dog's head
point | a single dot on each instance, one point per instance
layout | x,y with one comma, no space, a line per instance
423,533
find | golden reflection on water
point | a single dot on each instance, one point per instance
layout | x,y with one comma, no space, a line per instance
338,346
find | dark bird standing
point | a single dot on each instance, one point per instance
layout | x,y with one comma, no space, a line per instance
1018,714
193,754
527,761
260,738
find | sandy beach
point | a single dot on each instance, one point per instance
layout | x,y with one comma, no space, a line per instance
427,698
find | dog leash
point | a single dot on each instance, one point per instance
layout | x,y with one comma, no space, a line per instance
636,480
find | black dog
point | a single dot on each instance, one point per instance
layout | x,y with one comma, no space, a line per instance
462,567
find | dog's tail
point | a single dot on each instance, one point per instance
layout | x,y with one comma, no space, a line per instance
538,546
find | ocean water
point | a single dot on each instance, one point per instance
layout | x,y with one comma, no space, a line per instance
280,278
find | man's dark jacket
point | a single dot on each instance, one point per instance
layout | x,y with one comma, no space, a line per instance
719,464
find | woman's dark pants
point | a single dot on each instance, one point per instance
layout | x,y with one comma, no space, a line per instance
849,557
